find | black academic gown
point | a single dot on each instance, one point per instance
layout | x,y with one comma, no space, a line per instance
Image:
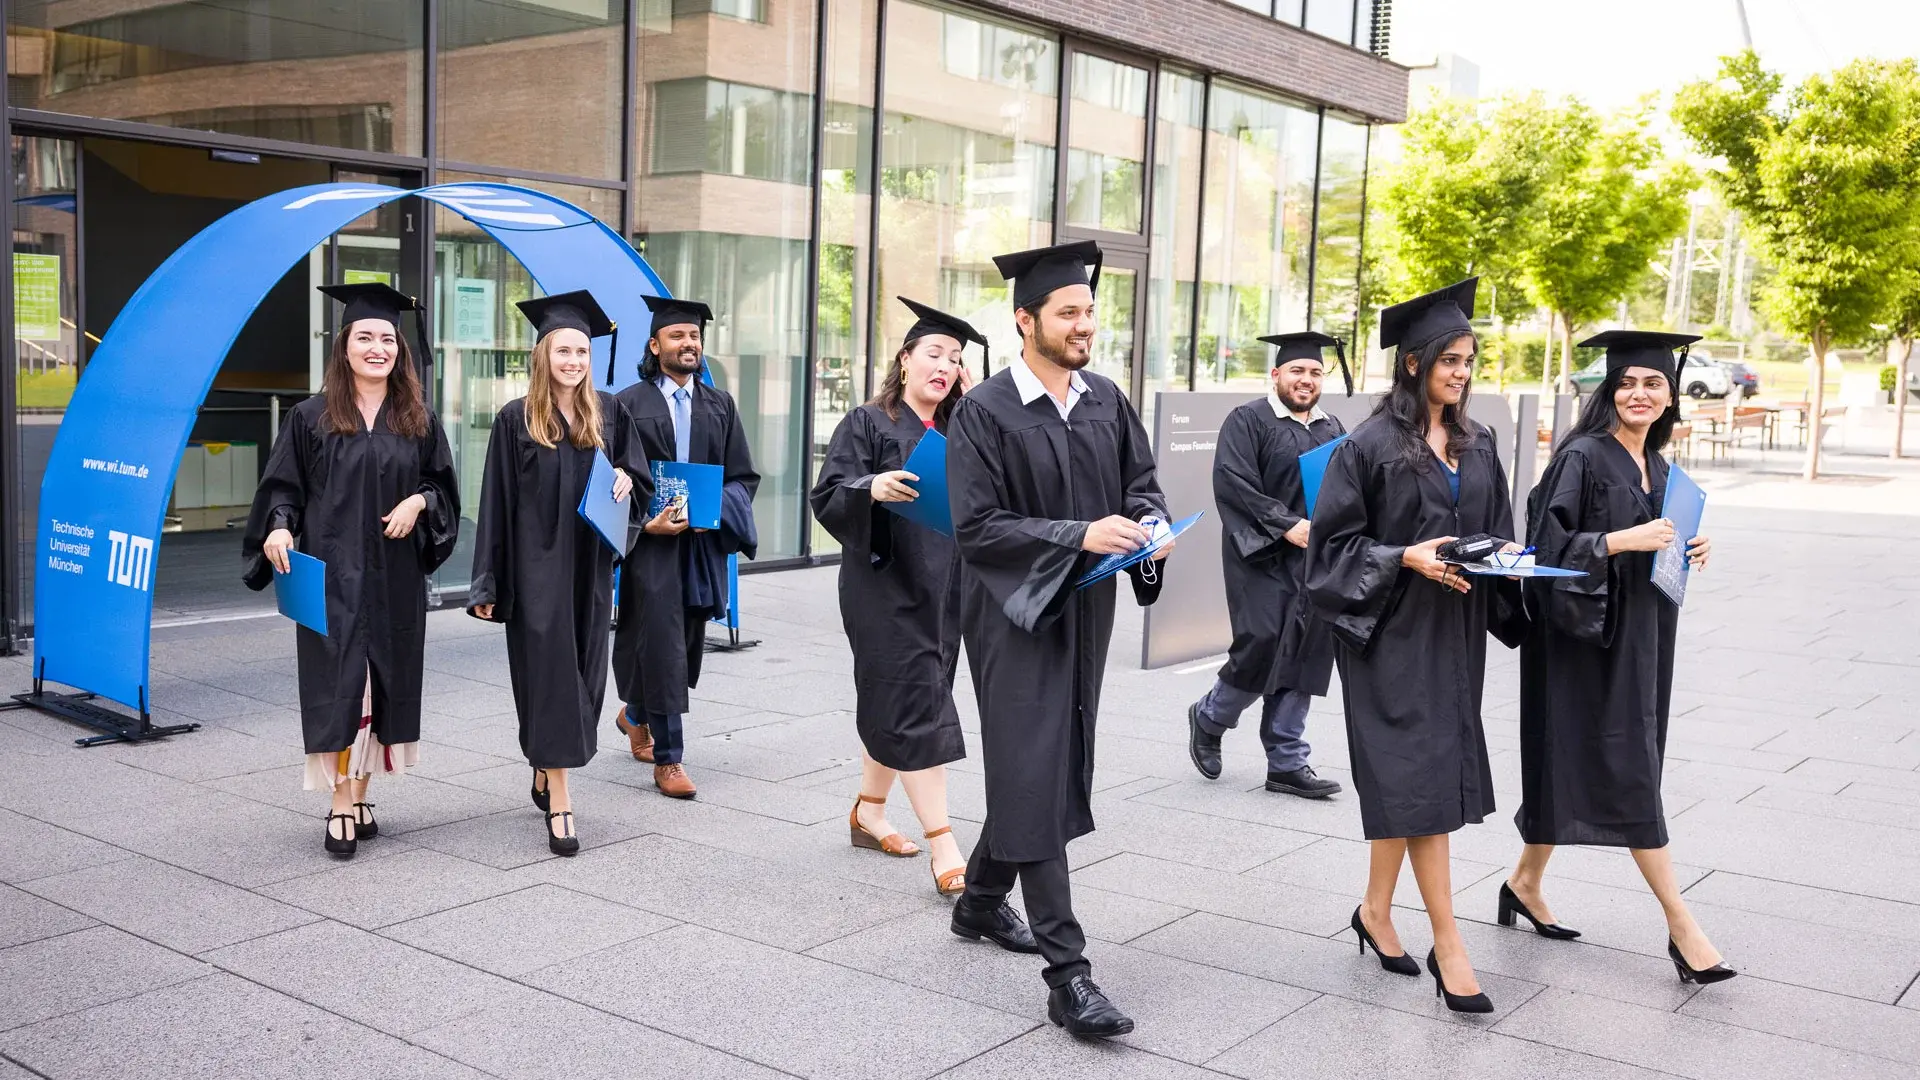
658,643
330,491
1278,644
1596,671
1024,486
549,577
1412,653
899,597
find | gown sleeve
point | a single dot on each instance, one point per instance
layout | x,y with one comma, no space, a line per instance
493,534
842,499
1236,484
1351,578
281,499
1027,564
1140,478
1580,607
439,528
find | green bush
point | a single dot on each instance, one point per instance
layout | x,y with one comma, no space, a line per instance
1887,376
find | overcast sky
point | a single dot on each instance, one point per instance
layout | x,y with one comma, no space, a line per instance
1612,51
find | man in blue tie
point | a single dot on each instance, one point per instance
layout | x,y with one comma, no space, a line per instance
668,582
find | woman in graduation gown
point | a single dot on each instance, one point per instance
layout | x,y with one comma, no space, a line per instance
900,592
538,566
362,480
1596,671
1410,630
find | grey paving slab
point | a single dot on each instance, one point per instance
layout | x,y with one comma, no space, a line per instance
1046,1055
1837,807
217,1026
25,917
1119,918
803,1015
84,968
1184,837
35,849
1326,817
1519,953
730,753
1805,850
533,927
382,892
71,788
1242,896
405,804
169,906
551,1037
1824,907
1812,1016
1333,864
369,979
1682,1045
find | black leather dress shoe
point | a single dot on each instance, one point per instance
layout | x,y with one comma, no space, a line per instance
1302,782
1202,747
1083,1010
1003,926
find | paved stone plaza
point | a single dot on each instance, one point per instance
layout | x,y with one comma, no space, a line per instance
168,910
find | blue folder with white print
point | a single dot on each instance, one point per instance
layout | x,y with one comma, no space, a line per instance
701,484
1313,470
607,517
932,508
1113,564
1683,505
301,592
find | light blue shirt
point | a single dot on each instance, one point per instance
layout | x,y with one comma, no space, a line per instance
680,407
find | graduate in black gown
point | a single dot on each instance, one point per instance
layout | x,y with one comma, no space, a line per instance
668,591
900,592
538,566
1410,630
1282,656
1048,470
361,478
1596,671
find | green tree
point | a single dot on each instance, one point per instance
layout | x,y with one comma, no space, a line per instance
1606,205
1827,181
1903,327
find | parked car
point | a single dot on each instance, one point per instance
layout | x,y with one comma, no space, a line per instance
1702,378
1745,378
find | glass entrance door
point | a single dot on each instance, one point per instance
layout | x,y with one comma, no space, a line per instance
1116,301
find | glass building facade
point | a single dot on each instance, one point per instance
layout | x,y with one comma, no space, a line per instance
797,164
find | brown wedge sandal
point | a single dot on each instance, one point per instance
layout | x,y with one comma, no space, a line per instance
954,881
894,843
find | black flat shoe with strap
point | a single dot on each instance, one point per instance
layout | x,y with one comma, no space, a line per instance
539,793
564,843
364,826
343,845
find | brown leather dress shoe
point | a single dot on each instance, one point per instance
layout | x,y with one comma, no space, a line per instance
673,781
639,736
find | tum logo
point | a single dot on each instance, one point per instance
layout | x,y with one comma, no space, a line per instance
130,560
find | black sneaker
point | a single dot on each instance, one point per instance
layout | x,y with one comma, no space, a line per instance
1203,748
1302,782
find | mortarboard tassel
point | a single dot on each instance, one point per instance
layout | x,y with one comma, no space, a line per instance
986,360
426,346
1346,373
613,349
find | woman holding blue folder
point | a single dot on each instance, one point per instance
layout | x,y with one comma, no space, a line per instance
361,479
538,565
900,592
1596,670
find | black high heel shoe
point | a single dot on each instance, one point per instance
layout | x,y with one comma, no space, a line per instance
1464,1003
1399,965
344,845
562,845
1719,972
539,795
364,826
1510,906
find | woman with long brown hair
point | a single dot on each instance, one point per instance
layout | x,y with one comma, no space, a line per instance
361,479
900,593
538,566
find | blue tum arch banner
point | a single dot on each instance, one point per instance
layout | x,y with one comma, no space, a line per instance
113,462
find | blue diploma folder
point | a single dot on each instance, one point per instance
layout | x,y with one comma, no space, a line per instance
1684,504
1313,469
1520,571
928,462
1113,564
301,592
607,517
701,485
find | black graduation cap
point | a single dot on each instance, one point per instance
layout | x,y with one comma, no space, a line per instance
670,312
1417,322
1643,348
1036,273
378,300
1310,345
576,310
934,321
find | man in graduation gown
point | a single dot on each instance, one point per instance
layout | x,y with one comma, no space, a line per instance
1282,656
1048,471
669,585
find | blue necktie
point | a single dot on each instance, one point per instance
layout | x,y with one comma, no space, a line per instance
682,424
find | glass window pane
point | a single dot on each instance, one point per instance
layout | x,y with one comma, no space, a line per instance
1336,266
1259,213
967,164
1176,237
1108,128
1331,18
723,212
46,339
344,75
1289,11
531,85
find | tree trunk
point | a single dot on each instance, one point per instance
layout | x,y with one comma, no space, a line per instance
1566,354
1900,399
1816,405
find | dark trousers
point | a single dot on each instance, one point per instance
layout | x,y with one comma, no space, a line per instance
1049,899
669,741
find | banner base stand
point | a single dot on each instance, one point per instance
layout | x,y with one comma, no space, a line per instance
733,643
79,708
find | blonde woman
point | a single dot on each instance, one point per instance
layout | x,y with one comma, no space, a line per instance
538,567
